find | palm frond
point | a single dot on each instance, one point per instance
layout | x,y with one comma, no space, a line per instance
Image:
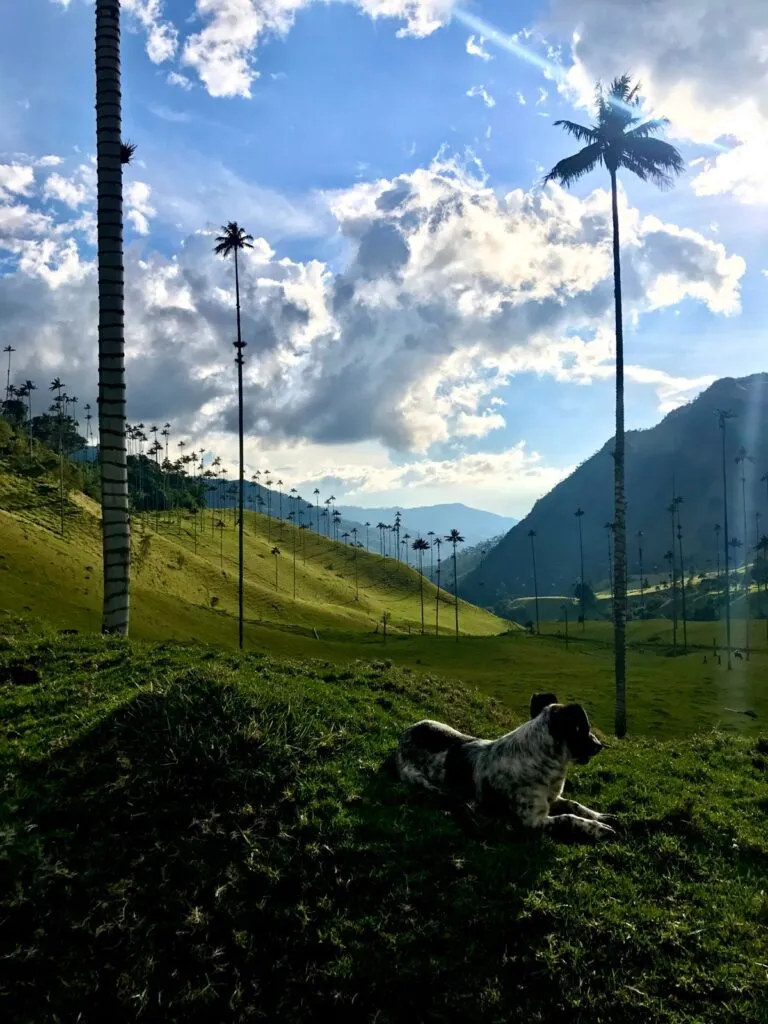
653,160
127,149
571,168
647,128
578,131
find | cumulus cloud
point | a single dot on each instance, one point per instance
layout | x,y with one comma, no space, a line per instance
16,179
66,190
222,51
448,290
476,48
701,62
482,92
140,211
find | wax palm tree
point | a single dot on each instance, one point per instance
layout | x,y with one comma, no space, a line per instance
723,415
367,526
233,240
717,531
609,534
420,546
454,537
532,537
8,350
111,155
619,139
436,544
276,551
57,386
579,513
406,538
29,387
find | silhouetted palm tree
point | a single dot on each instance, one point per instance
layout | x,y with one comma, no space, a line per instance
579,514
619,139
454,537
723,415
232,240
420,546
276,551
112,154
609,534
8,350
532,536
436,544
717,529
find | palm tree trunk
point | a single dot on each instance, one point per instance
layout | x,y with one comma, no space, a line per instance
456,592
620,529
241,480
116,528
535,585
725,552
421,590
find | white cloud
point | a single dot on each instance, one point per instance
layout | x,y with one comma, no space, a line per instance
543,95
162,36
137,195
701,62
174,78
477,49
447,291
521,99
16,179
49,161
66,190
482,92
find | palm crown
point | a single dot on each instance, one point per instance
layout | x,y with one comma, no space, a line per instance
233,237
619,138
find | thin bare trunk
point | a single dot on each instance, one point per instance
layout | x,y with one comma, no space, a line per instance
116,528
241,480
620,521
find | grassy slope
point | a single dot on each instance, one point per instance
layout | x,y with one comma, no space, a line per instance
58,579
190,835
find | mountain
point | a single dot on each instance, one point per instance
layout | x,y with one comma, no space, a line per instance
680,456
474,524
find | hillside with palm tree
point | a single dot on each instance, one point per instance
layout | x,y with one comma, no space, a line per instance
677,461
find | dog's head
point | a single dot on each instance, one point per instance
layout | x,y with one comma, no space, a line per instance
539,701
569,725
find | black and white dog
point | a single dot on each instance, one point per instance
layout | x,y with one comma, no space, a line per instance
520,775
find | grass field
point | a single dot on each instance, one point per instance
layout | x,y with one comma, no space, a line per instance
193,835
58,578
57,581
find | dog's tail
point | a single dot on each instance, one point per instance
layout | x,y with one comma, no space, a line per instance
389,766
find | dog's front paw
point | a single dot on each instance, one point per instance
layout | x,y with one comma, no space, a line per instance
609,819
603,831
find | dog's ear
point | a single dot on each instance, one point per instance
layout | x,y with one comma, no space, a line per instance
539,701
566,721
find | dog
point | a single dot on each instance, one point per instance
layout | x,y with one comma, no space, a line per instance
520,775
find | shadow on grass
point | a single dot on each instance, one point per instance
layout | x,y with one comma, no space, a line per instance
203,855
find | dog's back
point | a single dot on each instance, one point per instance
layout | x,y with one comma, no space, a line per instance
435,756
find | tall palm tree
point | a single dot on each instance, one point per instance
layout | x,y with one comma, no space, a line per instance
406,538
742,459
232,240
619,139
8,350
640,567
717,530
579,513
29,387
420,546
532,537
430,534
609,534
316,493
454,537
682,585
276,551
436,544
57,386
111,155
723,415
367,526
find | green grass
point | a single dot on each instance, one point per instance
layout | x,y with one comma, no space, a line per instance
188,835
58,578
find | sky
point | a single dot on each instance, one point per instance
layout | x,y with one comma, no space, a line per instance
425,321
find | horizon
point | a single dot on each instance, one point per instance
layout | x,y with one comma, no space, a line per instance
380,365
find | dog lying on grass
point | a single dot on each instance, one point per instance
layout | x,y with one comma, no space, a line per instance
521,775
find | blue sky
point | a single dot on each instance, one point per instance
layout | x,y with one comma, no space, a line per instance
425,324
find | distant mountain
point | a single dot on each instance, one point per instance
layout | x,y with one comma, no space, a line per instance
474,524
681,456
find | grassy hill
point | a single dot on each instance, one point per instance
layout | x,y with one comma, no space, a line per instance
185,575
194,835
